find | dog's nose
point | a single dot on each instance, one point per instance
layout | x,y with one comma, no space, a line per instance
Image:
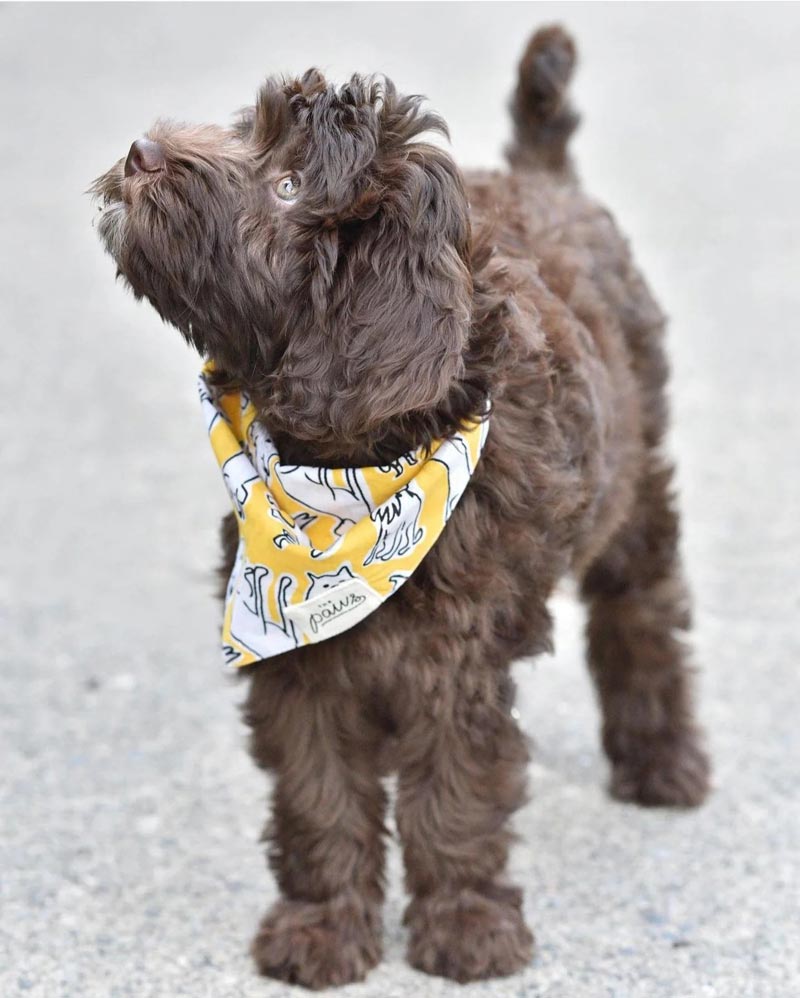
145,156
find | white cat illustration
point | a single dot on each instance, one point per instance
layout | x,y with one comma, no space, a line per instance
283,538
315,489
262,449
396,466
397,579
459,469
238,474
398,529
210,411
230,655
330,580
250,622
237,566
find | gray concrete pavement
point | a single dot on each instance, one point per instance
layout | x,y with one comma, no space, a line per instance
129,812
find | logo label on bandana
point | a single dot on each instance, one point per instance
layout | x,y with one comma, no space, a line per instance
322,548
333,611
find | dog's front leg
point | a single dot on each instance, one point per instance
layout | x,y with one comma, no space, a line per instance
326,832
462,775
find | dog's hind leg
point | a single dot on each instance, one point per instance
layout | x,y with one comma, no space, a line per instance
638,609
462,775
543,118
326,836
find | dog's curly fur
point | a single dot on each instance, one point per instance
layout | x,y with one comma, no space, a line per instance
374,315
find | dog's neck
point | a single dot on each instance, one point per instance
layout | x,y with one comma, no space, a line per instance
399,436
486,360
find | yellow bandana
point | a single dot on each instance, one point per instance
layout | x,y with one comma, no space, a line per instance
321,548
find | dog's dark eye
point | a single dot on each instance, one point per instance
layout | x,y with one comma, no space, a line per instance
288,187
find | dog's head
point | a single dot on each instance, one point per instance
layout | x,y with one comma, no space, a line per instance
317,251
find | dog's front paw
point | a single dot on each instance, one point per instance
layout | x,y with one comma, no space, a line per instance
663,772
469,935
319,945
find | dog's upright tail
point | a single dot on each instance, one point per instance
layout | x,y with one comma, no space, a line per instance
540,110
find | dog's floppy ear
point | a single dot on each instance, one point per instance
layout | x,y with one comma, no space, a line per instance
390,286
410,288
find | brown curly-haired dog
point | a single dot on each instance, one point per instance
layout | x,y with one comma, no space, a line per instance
370,299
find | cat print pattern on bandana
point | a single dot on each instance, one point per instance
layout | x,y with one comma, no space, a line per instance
322,548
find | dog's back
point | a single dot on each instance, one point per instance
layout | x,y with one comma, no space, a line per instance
548,231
